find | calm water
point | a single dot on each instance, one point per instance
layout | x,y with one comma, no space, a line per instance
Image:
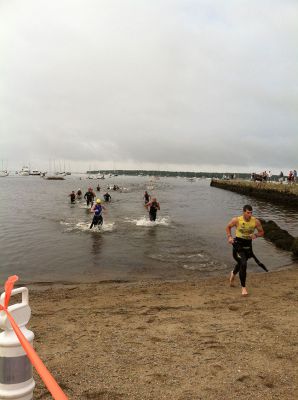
45,238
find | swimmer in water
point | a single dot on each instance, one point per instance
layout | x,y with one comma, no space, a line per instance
97,209
153,206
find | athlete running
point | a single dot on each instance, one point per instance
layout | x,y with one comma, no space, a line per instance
97,209
107,197
246,226
152,206
79,194
147,197
72,196
89,196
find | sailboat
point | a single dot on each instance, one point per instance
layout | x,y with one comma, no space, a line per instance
24,171
3,172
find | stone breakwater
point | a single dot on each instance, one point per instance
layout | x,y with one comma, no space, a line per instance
282,194
280,237
273,192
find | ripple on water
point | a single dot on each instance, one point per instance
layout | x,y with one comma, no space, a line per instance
196,261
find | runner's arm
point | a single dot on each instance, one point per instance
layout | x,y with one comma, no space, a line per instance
260,230
231,224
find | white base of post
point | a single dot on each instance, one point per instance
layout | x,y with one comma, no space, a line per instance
17,392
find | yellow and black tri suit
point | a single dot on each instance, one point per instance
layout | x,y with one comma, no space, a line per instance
242,246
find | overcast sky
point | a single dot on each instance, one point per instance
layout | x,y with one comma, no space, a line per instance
197,85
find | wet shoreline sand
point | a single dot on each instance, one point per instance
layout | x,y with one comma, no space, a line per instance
169,340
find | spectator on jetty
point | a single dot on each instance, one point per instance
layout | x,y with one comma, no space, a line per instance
265,176
290,177
281,177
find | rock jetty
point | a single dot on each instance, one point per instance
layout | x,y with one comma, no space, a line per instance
274,192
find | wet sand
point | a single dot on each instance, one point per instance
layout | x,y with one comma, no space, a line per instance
170,340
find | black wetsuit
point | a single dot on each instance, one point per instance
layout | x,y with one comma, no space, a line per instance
153,210
72,197
146,198
107,197
97,220
89,196
242,251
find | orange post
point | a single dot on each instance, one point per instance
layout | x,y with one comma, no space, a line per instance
42,370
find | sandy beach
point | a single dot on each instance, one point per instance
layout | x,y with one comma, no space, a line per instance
170,340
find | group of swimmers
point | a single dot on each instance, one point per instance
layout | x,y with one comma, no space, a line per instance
96,207
151,204
89,196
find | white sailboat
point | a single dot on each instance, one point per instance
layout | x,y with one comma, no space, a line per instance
3,172
35,172
24,171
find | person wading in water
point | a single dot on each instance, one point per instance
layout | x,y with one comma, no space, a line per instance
72,196
89,197
248,228
97,209
147,197
153,206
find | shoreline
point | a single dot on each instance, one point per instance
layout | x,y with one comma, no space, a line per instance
183,340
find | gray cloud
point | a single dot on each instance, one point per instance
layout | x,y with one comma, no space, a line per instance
186,84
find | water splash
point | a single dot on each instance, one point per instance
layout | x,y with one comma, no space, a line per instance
84,226
145,221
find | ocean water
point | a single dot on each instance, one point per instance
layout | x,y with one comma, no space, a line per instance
45,238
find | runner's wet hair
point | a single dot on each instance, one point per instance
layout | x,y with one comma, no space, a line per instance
247,207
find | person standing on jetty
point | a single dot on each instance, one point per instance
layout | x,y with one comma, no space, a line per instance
245,225
153,206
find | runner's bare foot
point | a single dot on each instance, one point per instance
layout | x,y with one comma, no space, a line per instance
244,291
232,277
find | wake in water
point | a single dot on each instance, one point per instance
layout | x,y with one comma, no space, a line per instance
84,206
144,221
85,227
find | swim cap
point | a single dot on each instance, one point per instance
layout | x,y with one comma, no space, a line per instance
98,201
